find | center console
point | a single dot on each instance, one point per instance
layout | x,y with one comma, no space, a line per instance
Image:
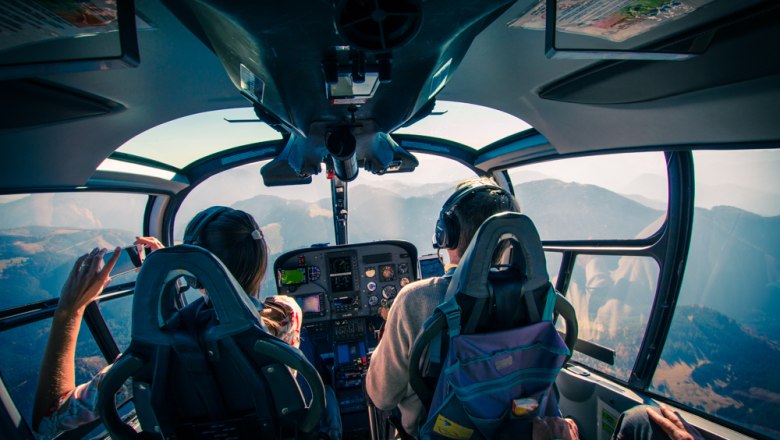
340,290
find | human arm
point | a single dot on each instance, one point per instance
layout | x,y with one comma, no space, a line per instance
549,428
672,424
150,243
387,379
85,282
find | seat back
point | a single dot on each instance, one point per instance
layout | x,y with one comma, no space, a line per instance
491,347
208,369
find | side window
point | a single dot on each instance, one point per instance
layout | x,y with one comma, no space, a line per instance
618,196
290,217
22,353
612,296
41,235
605,197
118,314
723,346
553,265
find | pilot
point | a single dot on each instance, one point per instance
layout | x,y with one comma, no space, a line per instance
387,382
232,235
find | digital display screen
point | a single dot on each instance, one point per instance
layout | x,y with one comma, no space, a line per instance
340,265
309,303
341,279
343,301
346,353
431,267
341,283
292,277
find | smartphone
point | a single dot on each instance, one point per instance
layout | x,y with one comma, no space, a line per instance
430,266
129,260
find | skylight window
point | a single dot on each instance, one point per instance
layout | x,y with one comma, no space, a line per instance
472,125
131,168
185,140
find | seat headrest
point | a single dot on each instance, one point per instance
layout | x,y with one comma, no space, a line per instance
155,291
471,276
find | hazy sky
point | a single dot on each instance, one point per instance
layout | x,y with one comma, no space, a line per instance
468,124
210,132
184,140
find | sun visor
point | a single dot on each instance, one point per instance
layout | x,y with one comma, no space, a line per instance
384,155
296,164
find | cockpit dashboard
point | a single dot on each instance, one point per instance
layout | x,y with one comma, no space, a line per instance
340,290
347,281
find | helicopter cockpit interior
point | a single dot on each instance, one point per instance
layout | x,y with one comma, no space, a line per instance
340,290
640,136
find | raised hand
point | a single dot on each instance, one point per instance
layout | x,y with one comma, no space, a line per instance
86,280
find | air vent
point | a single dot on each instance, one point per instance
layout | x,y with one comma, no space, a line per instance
31,102
378,25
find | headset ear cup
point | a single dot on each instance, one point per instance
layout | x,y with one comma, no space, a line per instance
439,233
452,229
447,232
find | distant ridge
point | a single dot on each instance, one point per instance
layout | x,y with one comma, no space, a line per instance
712,352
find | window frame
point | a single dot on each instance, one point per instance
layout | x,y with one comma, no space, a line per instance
668,246
31,313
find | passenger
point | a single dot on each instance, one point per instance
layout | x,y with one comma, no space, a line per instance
387,381
644,422
232,235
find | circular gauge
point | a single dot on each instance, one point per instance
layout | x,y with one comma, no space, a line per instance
388,292
373,300
403,281
371,286
370,272
387,272
314,273
403,268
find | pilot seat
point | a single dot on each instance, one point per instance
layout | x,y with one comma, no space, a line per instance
487,359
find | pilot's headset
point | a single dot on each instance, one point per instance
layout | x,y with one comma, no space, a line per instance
448,226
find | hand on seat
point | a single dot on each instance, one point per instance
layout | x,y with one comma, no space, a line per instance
672,425
551,428
150,243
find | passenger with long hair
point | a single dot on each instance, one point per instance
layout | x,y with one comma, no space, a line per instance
231,235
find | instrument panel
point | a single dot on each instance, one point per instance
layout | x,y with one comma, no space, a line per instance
338,282
340,290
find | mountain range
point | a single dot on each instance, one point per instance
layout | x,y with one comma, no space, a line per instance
718,358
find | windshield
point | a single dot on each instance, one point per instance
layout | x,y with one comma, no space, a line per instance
389,207
207,133
220,130
472,125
